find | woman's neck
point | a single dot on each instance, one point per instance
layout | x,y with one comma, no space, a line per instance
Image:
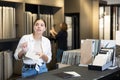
37,36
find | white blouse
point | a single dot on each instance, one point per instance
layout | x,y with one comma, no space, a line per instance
42,45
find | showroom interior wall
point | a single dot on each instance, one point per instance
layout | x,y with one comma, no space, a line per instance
88,10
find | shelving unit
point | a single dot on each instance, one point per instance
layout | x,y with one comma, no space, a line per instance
54,7
31,7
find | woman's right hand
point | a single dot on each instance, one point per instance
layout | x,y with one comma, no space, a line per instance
24,50
24,47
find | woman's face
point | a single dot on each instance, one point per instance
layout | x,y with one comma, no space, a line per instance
39,27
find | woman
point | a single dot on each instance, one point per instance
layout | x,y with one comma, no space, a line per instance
35,50
61,37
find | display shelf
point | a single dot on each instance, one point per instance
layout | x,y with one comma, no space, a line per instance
31,7
9,40
54,7
48,9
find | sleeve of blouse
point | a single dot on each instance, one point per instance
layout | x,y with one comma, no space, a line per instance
18,49
49,52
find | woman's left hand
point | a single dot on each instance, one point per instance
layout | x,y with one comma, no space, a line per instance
40,54
43,56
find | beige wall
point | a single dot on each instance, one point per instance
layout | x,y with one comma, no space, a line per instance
72,6
89,18
88,10
85,19
95,25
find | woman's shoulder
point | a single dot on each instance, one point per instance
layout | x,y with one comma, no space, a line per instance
45,38
62,31
27,35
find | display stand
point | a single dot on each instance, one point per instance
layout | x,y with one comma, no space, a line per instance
100,68
103,60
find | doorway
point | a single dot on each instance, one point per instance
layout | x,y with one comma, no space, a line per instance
72,20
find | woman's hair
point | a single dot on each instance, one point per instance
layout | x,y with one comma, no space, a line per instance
39,19
64,26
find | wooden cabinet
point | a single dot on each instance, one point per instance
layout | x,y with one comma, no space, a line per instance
49,7
55,8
